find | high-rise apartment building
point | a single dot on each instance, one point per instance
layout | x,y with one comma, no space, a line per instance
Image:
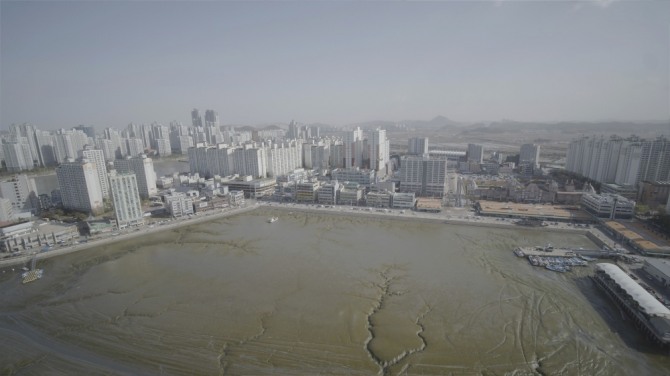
126,199
120,148
25,133
196,118
529,153
379,152
79,186
143,168
17,156
417,146
163,147
135,146
45,147
64,146
211,118
475,153
621,161
353,148
655,160
423,176
97,157
21,192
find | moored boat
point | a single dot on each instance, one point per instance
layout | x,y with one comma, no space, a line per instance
557,267
33,274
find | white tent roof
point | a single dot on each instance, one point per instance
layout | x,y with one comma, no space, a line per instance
646,301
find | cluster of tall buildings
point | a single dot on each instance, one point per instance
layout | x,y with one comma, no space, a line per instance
272,159
27,147
623,161
84,184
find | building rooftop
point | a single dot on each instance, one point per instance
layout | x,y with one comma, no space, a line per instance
646,301
533,210
635,233
607,198
660,264
428,204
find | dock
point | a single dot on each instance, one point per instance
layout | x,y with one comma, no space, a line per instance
567,252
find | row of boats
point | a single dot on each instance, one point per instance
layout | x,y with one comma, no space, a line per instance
556,264
559,264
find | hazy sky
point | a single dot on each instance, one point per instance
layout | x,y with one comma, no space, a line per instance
111,63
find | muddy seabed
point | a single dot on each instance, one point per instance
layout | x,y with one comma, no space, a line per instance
313,294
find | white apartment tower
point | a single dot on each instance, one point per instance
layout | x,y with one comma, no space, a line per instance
529,153
79,186
475,153
423,176
126,199
411,175
628,167
135,146
622,161
26,133
379,151
417,146
435,177
98,157
143,168
21,192
17,156
353,148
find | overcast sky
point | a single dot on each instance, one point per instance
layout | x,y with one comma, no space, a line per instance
111,63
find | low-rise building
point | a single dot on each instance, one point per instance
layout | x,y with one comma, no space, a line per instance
306,191
403,200
362,177
328,193
654,193
379,199
32,236
179,204
252,188
350,194
627,191
235,198
608,205
659,269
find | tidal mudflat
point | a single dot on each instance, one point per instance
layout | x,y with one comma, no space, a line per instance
317,293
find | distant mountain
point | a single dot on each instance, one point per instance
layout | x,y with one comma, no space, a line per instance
605,127
438,122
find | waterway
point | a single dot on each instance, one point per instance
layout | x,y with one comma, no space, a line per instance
315,293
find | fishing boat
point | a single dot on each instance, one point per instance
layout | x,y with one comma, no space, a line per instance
519,253
557,267
33,274
273,219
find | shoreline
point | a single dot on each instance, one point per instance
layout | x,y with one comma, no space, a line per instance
123,236
334,210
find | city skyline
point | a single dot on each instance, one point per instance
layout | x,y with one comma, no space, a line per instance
109,64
